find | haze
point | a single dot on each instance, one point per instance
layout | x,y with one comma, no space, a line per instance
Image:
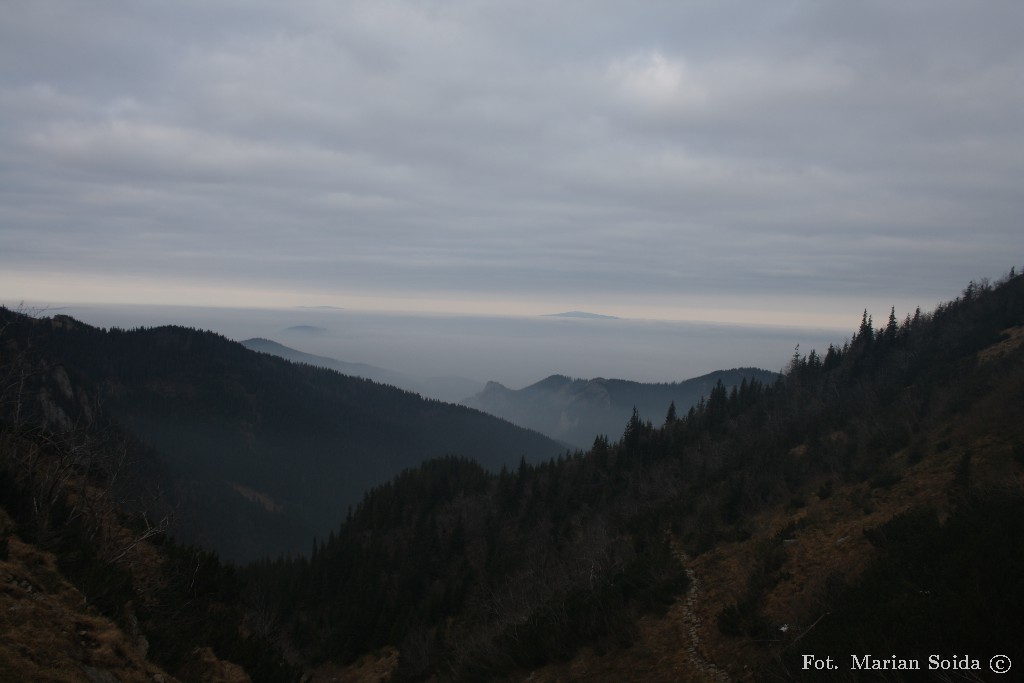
514,350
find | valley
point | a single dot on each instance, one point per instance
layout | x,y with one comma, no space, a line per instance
865,501
503,342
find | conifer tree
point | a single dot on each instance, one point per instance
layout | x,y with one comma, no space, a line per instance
671,416
892,326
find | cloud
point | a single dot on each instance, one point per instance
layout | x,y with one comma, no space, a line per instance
514,151
656,82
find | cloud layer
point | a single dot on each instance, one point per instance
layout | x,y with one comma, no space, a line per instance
737,153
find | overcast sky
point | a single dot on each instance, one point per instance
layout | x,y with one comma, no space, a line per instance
730,160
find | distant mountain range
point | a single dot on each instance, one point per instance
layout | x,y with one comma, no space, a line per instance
577,410
572,411
450,389
581,314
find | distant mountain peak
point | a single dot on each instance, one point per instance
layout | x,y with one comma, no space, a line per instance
553,381
260,341
581,314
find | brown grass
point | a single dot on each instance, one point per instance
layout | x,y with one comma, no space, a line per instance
1014,340
49,633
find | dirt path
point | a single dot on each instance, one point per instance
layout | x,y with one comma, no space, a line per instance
698,658
668,648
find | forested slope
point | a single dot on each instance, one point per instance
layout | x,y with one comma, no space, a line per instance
813,510
264,453
91,587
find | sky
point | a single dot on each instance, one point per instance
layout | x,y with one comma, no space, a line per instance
732,161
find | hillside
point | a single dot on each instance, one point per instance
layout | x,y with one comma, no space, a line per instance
262,454
869,502
577,410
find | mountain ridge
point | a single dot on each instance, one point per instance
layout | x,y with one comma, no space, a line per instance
578,410
448,389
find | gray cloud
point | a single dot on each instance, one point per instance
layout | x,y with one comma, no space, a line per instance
573,152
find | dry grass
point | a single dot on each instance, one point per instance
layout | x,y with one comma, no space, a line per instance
1014,340
49,633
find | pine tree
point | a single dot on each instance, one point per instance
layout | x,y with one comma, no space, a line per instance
671,416
892,327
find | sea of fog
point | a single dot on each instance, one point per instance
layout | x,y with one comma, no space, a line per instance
516,351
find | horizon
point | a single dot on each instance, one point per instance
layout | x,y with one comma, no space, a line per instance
838,313
514,350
